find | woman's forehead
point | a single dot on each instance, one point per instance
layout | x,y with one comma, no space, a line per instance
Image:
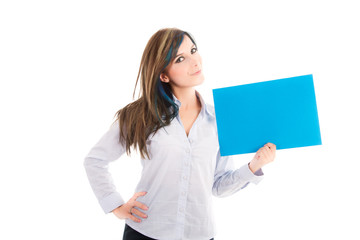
185,44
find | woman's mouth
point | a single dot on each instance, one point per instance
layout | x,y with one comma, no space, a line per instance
198,72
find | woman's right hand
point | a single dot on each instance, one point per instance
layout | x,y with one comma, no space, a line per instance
126,210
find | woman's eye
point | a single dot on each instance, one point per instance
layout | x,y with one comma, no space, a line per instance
183,57
179,59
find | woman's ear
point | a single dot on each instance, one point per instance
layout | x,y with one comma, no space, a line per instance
164,78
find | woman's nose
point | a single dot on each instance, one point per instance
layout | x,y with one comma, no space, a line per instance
196,61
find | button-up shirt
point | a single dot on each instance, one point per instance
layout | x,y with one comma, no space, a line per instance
183,173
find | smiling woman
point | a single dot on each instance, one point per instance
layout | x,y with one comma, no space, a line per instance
160,63
176,130
183,73
186,65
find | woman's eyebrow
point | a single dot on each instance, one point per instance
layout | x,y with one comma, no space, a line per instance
182,53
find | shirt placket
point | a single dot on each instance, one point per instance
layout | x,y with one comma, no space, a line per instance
185,173
184,185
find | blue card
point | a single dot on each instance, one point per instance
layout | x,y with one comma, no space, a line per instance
282,112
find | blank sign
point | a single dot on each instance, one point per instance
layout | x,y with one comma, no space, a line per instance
282,112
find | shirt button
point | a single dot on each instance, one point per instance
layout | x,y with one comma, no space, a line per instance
187,150
191,141
183,193
181,209
186,163
184,177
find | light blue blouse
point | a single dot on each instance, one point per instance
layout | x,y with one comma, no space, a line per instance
180,179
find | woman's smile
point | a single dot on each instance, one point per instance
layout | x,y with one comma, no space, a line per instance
196,73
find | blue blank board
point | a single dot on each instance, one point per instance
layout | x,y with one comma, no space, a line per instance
280,111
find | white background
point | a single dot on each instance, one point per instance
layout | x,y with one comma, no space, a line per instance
66,67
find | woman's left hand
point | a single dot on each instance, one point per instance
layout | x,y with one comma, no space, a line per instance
263,156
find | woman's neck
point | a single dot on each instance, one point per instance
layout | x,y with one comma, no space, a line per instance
187,98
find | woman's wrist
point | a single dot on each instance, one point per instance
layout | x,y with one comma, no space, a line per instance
253,168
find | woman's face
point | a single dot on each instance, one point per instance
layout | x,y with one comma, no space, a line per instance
183,71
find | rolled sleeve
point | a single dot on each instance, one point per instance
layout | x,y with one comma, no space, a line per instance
244,173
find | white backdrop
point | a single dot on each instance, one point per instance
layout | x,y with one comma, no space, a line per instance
67,66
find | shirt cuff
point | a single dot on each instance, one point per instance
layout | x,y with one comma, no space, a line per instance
111,202
245,173
259,172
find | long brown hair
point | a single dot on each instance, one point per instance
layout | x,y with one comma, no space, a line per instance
155,107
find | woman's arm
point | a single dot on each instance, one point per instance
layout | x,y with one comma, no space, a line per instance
229,180
107,149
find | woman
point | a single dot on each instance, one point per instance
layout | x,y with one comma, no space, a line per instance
175,131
